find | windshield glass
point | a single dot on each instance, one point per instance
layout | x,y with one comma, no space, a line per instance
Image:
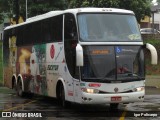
113,63
108,27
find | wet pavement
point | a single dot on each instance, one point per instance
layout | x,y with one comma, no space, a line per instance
44,108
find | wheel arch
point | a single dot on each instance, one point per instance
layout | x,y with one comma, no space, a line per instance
60,82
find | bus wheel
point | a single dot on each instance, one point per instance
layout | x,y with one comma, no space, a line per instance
63,102
19,89
62,96
114,106
14,86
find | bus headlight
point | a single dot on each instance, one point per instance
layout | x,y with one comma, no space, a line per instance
89,90
138,89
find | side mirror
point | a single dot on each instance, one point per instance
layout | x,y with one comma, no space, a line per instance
154,56
79,55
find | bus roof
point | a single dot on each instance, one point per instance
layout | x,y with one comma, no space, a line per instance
94,9
74,11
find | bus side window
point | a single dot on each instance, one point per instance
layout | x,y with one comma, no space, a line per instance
46,31
56,25
70,42
70,31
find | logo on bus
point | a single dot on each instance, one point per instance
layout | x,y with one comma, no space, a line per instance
116,89
52,51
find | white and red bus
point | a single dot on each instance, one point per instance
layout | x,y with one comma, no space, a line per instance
84,55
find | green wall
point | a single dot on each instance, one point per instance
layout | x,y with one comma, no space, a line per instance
1,63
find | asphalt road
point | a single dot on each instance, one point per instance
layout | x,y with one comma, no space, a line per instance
47,108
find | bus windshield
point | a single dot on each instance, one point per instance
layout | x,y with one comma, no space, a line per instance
108,63
108,27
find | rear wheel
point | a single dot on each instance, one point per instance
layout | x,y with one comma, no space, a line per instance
14,86
19,89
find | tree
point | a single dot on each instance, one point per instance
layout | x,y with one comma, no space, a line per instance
141,8
93,3
4,5
35,7
1,18
158,1
16,10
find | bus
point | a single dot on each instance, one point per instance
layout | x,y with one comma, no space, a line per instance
81,55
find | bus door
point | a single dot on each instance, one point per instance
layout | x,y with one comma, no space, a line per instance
70,43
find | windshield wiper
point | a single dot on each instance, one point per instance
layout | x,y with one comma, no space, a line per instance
133,75
129,76
107,79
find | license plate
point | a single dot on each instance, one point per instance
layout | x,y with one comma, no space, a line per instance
116,98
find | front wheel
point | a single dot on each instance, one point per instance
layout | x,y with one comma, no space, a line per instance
63,102
114,106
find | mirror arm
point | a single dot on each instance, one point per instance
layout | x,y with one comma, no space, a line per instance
154,56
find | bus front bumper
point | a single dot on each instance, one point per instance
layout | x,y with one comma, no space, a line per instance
88,98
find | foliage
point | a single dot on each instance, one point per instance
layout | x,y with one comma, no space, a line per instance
140,7
152,69
3,9
158,1
4,5
35,7
1,18
153,42
1,65
93,3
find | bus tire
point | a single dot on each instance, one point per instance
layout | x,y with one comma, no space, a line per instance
14,86
19,89
63,102
114,106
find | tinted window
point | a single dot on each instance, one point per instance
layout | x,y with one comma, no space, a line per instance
70,42
20,35
37,33
56,28
52,29
44,31
113,63
99,62
28,37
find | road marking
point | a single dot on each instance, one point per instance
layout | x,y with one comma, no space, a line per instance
21,105
123,115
